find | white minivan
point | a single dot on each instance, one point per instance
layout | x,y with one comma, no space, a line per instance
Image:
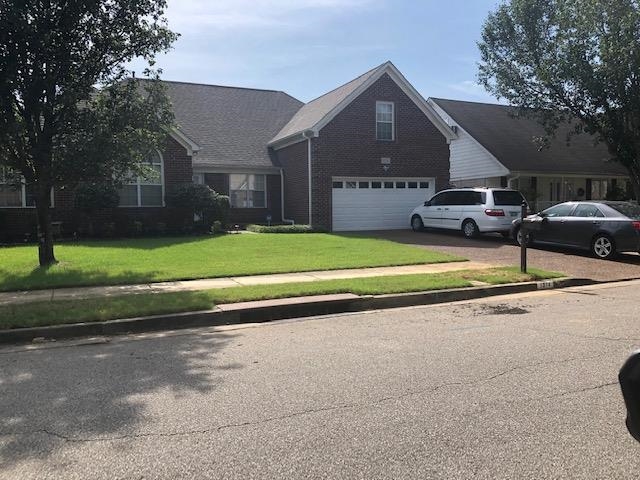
471,210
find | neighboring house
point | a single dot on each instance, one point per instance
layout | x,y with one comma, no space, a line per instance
359,157
494,148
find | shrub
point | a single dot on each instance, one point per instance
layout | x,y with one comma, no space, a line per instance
95,196
91,197
280,229
200,200
217,227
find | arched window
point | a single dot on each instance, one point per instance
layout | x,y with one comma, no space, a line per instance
147,190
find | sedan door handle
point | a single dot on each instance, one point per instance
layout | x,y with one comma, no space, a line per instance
596,222
438,208
446,209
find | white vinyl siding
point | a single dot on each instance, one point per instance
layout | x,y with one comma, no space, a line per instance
468,159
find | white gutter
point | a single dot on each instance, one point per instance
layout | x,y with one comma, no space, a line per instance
284,220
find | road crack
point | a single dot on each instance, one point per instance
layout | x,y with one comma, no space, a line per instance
312,411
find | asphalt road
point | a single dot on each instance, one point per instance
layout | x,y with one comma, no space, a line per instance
494,249
513,387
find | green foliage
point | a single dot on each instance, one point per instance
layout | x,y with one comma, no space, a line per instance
563,60
201,200
616,193
280,228
93,196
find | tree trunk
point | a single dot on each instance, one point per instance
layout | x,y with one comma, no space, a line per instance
45,234
634,176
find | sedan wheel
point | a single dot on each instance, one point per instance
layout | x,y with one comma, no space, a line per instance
519,235
602,247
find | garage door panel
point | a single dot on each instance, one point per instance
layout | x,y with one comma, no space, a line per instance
377,208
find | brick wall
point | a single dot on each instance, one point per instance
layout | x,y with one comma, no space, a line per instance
293,159
16,222
243,216
347,146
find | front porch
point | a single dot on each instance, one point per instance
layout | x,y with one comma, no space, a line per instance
543,191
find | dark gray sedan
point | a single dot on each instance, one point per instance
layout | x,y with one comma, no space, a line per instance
603,227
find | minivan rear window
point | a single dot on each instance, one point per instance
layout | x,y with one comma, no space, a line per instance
506,197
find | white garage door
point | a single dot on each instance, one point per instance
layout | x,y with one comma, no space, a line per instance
377,203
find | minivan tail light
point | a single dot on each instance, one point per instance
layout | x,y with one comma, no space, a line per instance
636,225
494,212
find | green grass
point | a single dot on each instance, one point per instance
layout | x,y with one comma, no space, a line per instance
98,309
162,259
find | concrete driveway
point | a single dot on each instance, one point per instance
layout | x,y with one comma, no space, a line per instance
500,251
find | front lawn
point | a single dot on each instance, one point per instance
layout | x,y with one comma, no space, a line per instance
127,306
162,259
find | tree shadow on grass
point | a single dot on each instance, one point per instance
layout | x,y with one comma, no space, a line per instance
53,397
141,243
48,277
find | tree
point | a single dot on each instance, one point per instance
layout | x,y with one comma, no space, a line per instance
68,112
568,60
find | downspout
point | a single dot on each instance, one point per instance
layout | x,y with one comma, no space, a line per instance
309,134
511,179
309,165
284,220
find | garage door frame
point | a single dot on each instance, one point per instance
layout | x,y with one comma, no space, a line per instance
350,211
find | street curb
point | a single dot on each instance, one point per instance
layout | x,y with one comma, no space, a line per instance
262,314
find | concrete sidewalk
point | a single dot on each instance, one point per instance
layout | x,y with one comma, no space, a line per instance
10,298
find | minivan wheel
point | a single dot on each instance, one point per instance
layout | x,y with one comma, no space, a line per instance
602,246
470,229
416,223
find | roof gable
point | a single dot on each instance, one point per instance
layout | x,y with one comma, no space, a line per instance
228,126
313,116
510,139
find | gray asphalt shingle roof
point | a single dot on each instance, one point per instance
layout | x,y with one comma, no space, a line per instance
314,111
510,140
232,125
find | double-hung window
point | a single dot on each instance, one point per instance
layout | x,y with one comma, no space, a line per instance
144,190
13,190
247,190
385,129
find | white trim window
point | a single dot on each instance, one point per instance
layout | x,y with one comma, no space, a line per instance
385,128
147,190
14,193
247,190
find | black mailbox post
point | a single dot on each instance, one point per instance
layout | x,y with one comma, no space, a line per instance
523,238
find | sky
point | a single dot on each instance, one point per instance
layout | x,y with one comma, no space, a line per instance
309,47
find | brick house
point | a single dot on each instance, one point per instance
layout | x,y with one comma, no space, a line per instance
357,158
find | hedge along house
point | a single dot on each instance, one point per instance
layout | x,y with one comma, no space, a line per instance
360,157
496,148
